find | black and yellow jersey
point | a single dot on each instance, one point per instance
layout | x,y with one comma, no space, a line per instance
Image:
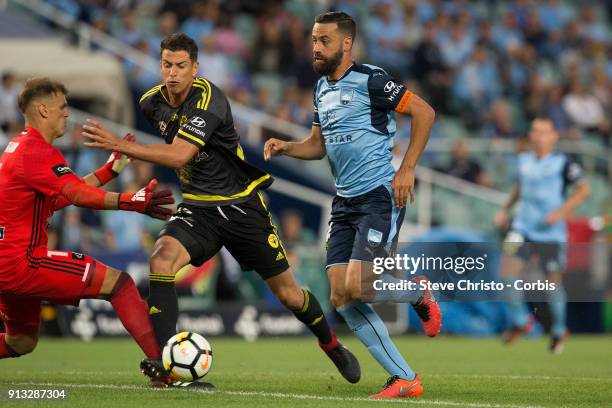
218,174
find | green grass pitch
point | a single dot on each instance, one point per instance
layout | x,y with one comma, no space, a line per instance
290,372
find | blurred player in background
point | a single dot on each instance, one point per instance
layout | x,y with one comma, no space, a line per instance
354,125
222,204
35,180
540,226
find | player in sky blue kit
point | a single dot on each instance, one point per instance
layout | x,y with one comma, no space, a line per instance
539,226
354,125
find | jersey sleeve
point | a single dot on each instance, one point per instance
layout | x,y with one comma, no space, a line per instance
146,105
572,173
46,170
315,119
203,117
386,93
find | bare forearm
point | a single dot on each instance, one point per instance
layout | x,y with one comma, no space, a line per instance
514,196
308,149
92,180
583,191
419,135
161,154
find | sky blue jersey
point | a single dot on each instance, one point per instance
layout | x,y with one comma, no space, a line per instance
543,185
357,120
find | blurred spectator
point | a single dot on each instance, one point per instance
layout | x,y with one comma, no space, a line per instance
202,19
507,35
125,230
214,64
503,124
385,35
554,46
10,117
227,38
141,79
584,109
553,108
554,15
268,56
429,69
533,31
476,86
130,32
167,24
591,27
293,232
600,84
464,167
457,45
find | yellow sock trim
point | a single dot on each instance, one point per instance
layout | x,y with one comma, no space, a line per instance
159,277
306,301
317,320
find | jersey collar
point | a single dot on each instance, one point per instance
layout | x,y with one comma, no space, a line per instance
30,131
348,71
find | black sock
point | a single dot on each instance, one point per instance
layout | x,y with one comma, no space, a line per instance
163,306
312,316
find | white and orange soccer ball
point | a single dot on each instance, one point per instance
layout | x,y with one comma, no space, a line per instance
188,356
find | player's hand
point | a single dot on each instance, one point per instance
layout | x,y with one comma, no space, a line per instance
148,201
555,216
274,147
501,219
100,136
117,161
403,185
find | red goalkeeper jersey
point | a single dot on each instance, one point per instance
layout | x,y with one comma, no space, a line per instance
32,173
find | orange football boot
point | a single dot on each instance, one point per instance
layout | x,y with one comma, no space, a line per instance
428,310
397,387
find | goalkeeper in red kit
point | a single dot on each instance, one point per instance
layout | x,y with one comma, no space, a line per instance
35,180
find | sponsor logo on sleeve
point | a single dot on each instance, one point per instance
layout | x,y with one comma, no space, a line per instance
394,90
61,170
389,86
194,130
198,122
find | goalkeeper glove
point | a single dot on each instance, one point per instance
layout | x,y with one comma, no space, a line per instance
148,201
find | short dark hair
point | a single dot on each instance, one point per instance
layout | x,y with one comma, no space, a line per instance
38,87
346,24
179,42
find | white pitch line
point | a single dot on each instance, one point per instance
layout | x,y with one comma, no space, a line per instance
423,375
279,395
520,377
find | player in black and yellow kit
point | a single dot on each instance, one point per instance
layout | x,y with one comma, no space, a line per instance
222,205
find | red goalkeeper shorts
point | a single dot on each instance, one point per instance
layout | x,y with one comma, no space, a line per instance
59,277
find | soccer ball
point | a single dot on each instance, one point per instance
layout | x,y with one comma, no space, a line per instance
187,356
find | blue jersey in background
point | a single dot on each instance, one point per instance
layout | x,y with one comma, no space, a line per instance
543,184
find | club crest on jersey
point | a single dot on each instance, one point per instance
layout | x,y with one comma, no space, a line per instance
374,237
61,170
346,95
1,232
